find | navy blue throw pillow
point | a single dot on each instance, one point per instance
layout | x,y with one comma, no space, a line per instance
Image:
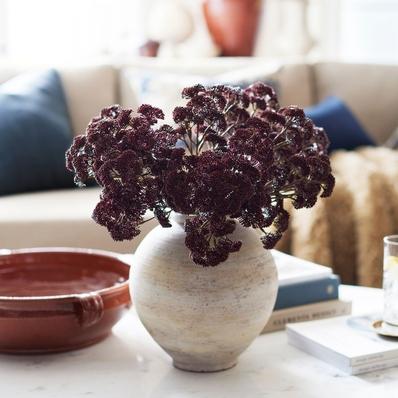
343,129
35,132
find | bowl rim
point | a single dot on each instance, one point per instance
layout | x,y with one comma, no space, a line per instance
73,296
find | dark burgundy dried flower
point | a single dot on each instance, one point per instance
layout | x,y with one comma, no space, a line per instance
207,239
190,92
233,156
270,239
151,113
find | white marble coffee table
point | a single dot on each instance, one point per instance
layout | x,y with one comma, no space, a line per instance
130,364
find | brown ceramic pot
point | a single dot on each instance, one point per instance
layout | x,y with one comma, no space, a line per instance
233,24
149,49
59,299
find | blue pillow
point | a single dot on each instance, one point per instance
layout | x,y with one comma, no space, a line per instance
35,132
343,129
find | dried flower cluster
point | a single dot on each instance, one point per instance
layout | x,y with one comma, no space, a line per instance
243,156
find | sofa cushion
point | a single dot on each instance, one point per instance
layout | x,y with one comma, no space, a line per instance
343,129
162,87
58,218
35,132
88,89
180,72
295,84
294,80
370,91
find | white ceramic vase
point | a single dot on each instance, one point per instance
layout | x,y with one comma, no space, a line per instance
203,317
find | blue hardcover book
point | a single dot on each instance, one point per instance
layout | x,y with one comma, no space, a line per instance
307,292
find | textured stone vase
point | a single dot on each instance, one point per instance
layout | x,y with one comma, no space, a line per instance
202,317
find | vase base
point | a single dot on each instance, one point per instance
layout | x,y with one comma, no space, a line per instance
204,368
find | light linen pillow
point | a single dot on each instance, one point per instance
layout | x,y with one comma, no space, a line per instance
163,88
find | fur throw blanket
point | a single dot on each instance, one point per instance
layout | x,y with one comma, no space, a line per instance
346,230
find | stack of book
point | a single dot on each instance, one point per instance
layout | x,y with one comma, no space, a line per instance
307,291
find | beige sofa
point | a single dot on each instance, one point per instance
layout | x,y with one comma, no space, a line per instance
62,218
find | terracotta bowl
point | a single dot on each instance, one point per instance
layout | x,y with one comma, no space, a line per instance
59,299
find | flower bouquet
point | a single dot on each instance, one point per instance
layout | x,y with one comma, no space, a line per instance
230,162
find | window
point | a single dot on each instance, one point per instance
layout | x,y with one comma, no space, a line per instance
369,30
61,29
353,30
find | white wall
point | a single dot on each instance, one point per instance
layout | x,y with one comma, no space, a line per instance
369,30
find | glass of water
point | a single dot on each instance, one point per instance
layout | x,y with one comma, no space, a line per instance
390,280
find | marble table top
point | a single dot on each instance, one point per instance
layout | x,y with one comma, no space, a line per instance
130,364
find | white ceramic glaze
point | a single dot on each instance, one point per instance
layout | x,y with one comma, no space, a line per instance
203,317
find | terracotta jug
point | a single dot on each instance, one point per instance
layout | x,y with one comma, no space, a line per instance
233,24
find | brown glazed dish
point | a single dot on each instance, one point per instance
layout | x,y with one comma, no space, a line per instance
59,299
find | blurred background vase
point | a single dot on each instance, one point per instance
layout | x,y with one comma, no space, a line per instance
170,23
233,24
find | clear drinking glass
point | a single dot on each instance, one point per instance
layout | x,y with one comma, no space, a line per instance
390,280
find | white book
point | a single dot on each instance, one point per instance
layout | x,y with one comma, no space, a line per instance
295,270
348,343
308,312
372,366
